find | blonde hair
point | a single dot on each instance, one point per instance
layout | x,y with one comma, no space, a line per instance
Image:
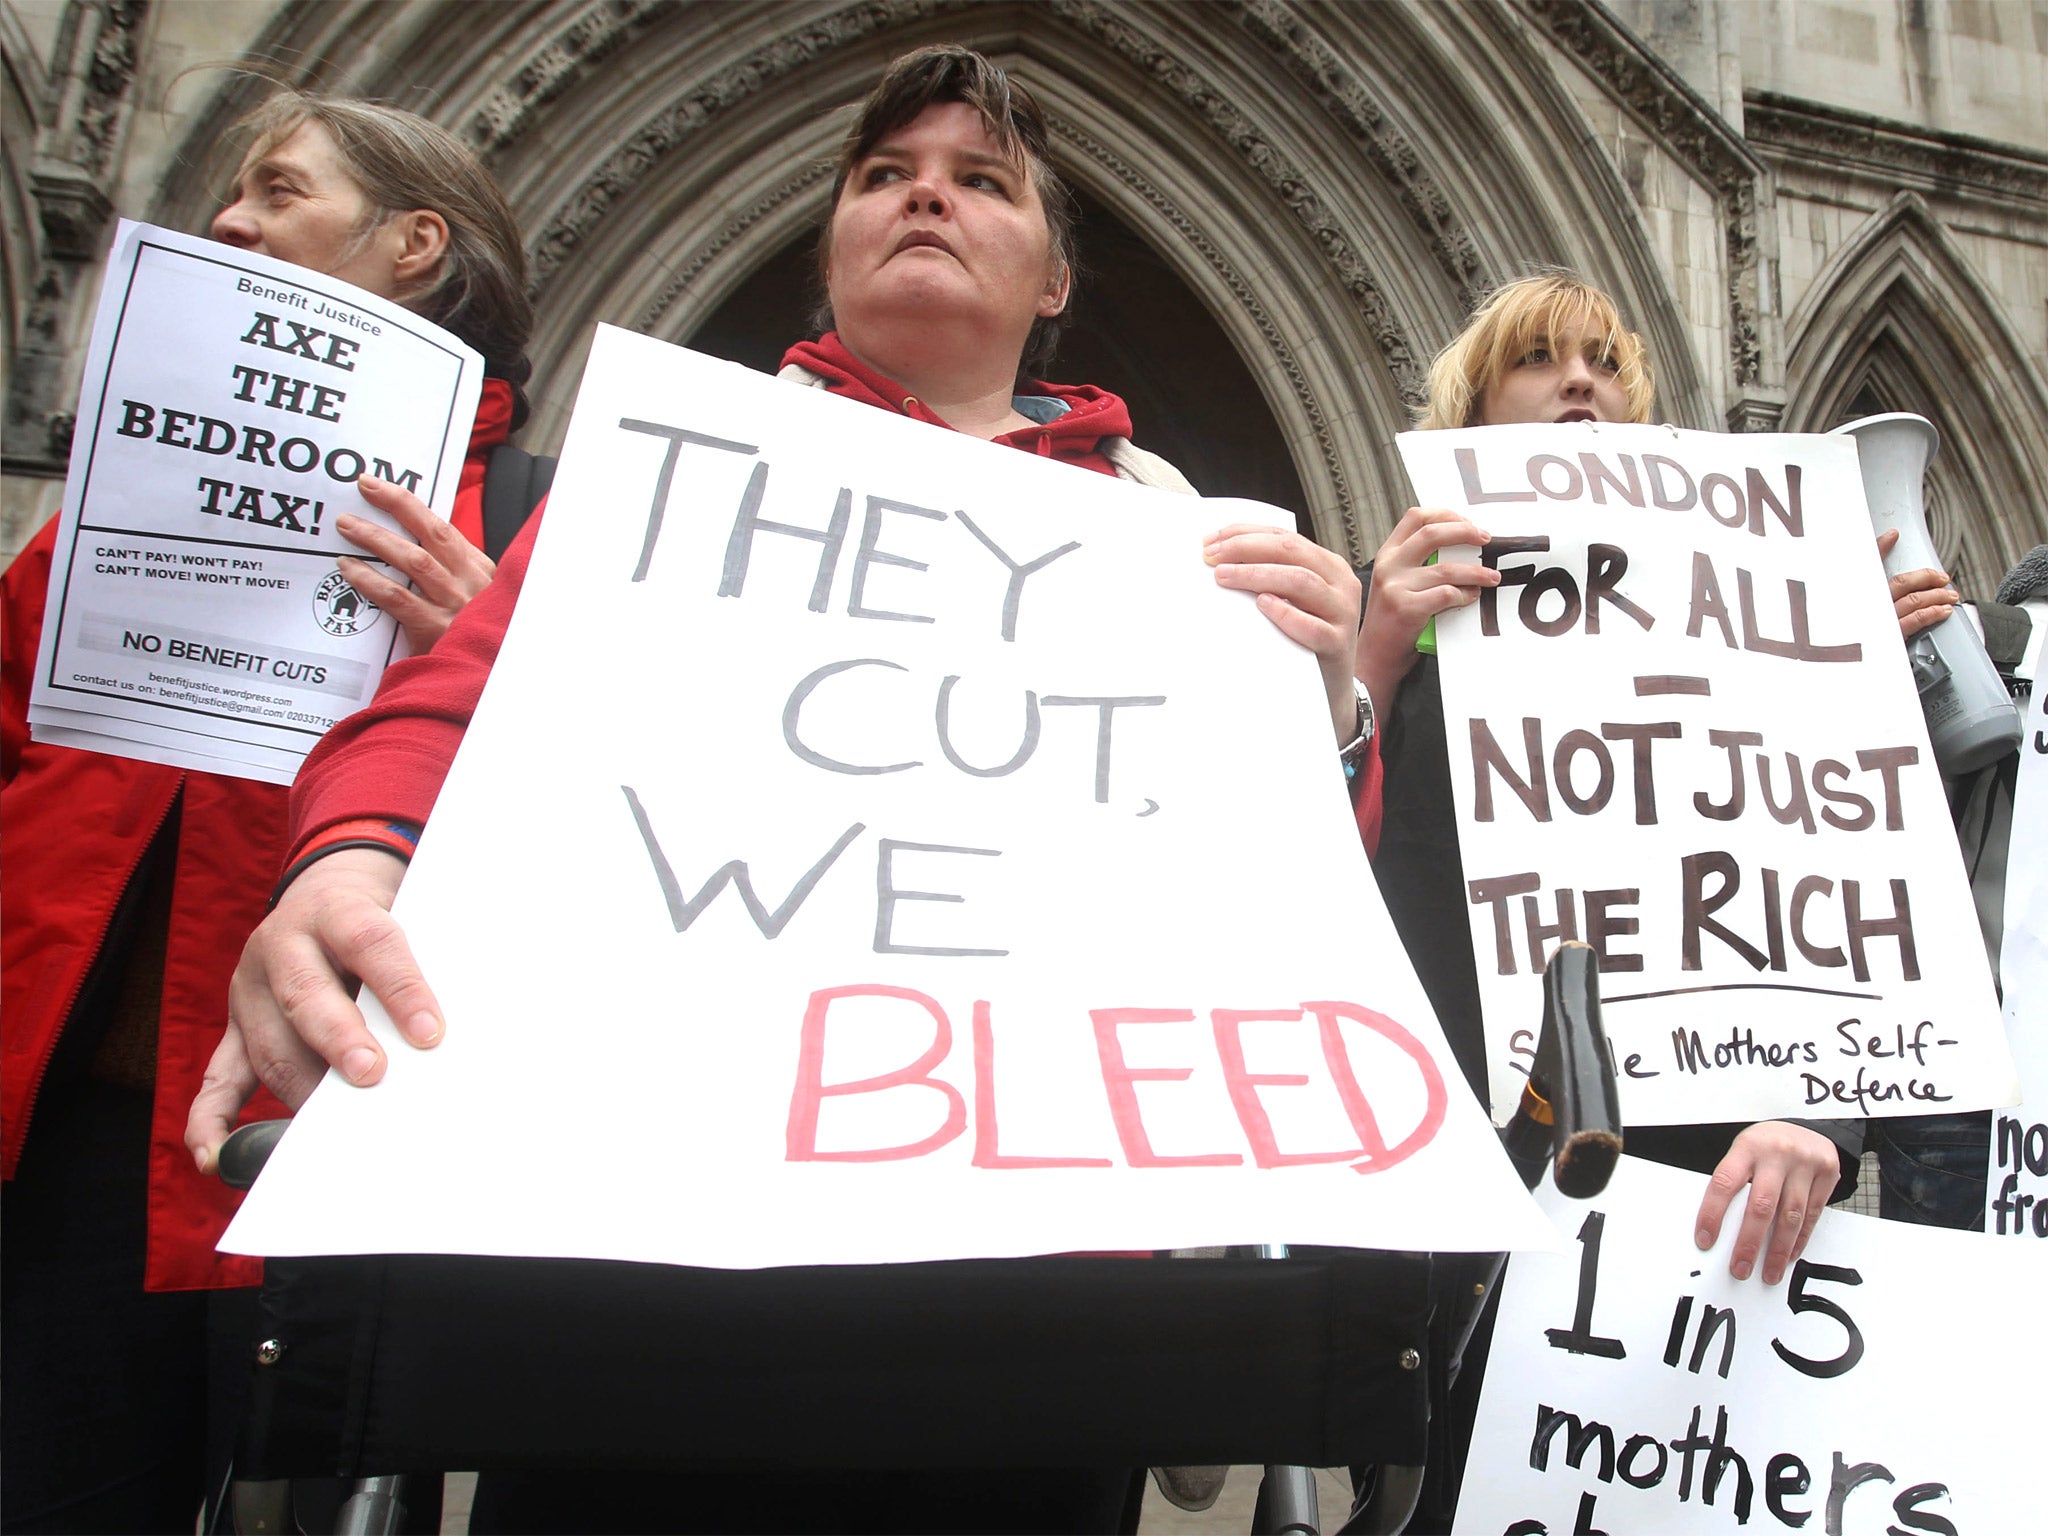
1518,316
401,161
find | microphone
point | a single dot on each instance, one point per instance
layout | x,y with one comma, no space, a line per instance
1971,718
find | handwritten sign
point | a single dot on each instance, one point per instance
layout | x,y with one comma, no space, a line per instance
873,845
2016,1195
1683,730
230,402
1633,1386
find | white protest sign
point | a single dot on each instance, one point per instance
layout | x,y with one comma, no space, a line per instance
1633,1386
230,401
2016,1194
1683,730
845,784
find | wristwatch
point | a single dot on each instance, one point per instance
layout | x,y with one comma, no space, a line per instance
1352,753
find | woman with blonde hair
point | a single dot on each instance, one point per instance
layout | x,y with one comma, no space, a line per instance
1543,349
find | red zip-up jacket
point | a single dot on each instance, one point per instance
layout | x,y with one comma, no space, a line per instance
75,827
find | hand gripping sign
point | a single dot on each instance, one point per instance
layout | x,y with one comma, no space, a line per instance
876,844
1682,729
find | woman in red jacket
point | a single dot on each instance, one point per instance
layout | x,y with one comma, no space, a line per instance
129,886
947,268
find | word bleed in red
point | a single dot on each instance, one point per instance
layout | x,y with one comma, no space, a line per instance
1119,1081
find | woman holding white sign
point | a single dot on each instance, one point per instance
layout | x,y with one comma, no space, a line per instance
947,269
1542,349
129,884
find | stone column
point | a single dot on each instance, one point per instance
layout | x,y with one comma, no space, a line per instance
74,160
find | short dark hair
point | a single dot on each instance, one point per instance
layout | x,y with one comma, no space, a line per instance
402,162
934,76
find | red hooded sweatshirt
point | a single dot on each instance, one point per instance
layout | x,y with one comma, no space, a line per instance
1073,438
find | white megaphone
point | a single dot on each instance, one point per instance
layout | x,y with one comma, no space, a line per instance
1971,718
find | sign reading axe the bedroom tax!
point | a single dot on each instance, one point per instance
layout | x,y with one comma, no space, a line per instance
1682,729
877,845
196,616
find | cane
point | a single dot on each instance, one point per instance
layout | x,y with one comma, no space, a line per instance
1569,1119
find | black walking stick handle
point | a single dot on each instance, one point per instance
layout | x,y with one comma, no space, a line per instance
1569,1114
244,1153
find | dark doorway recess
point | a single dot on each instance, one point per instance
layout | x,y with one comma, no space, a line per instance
767,312
1137,330
1140,331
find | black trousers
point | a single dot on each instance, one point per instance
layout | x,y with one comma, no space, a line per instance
117,1406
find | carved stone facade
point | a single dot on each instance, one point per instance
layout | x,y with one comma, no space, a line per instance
73,108
1332,184
1693,133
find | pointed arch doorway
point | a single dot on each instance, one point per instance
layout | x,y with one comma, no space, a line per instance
1138,330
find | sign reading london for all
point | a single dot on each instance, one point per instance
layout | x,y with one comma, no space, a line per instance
196,615
891,846
1682,729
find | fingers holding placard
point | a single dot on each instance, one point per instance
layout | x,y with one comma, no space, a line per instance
1789,1172
291,1010
446,570
1409,588
1309,593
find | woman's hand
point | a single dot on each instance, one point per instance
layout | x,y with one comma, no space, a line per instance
1407,592
291,1004
446,569
1790,1172
1310,594
1922,598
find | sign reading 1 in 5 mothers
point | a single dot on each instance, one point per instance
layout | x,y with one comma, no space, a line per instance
1634,1388
196,616
1682,729
874,845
